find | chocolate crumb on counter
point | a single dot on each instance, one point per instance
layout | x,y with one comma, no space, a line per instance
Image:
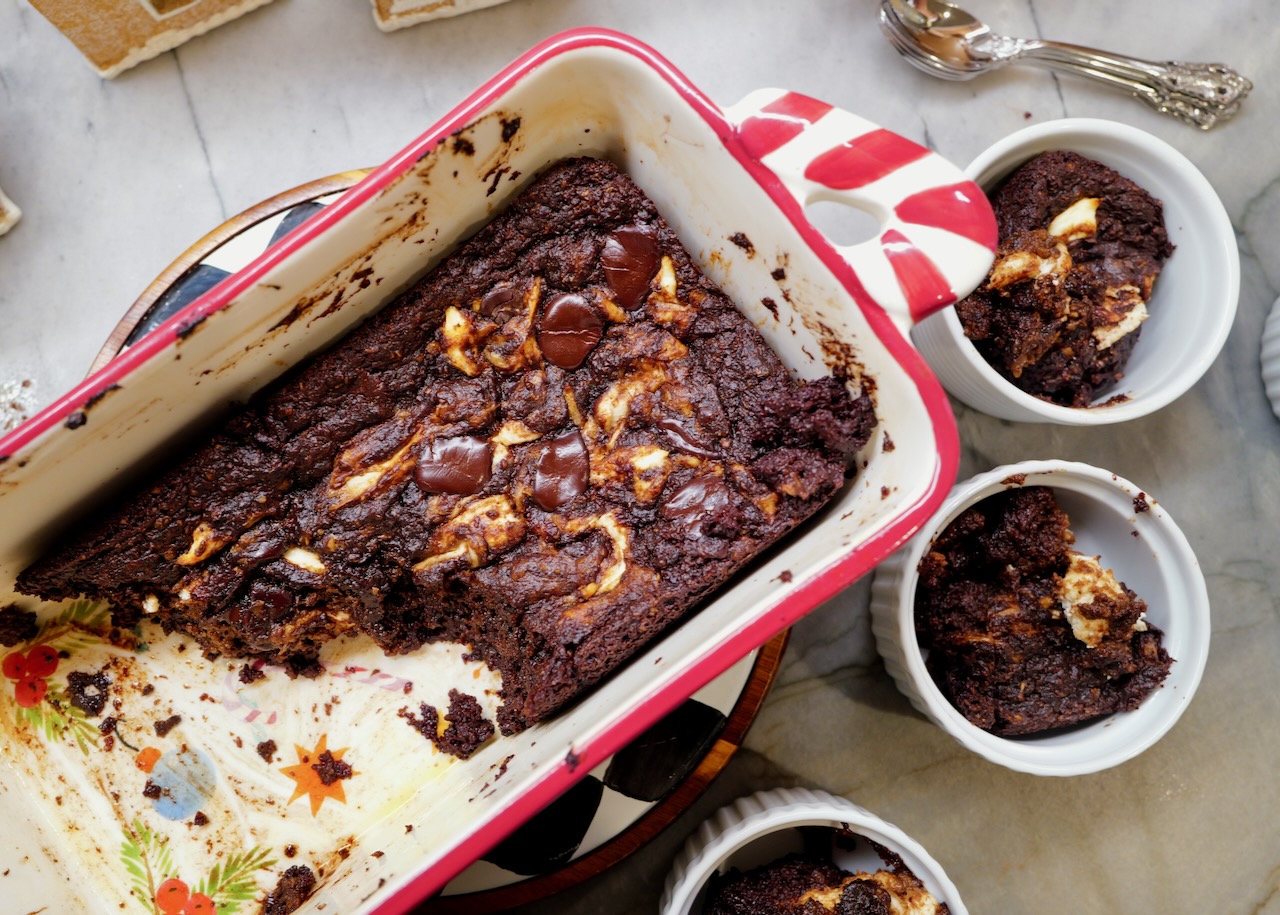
291,891
17,625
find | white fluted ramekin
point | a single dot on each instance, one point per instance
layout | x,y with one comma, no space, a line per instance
760,828
1192,306
1271,357
1145,549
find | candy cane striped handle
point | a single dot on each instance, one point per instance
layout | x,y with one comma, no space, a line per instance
937,233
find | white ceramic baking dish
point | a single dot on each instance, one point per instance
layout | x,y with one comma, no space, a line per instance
734,183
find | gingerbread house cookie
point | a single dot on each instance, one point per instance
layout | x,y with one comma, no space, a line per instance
118,34
397,14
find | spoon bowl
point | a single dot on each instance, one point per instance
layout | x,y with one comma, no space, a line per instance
937,15
949,42
940,54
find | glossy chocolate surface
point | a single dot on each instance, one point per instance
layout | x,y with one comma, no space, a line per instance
630,259
563,471
458,466
569,330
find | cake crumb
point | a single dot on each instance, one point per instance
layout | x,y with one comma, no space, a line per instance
465,727
88,691
17,625
251,674
330,769
291,891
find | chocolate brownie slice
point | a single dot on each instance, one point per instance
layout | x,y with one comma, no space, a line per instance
550,448
1080,249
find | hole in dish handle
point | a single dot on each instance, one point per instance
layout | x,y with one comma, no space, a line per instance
936,236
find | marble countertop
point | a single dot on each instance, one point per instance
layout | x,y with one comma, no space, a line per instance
117,178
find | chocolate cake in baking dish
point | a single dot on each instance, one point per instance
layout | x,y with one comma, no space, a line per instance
550,448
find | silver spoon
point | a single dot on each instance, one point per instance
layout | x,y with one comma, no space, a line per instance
944,40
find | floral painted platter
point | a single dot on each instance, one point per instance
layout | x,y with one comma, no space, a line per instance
163,781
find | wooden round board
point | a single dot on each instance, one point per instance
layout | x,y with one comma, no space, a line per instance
617,807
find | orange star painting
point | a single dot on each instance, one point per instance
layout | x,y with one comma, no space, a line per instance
319,774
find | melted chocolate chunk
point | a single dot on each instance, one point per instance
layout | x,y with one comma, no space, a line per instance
683,437
569,330
697,502
503,301
458,466
630,259
563,471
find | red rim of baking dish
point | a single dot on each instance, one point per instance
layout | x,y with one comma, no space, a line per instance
823,585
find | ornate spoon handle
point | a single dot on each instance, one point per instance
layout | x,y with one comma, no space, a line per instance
1200,94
